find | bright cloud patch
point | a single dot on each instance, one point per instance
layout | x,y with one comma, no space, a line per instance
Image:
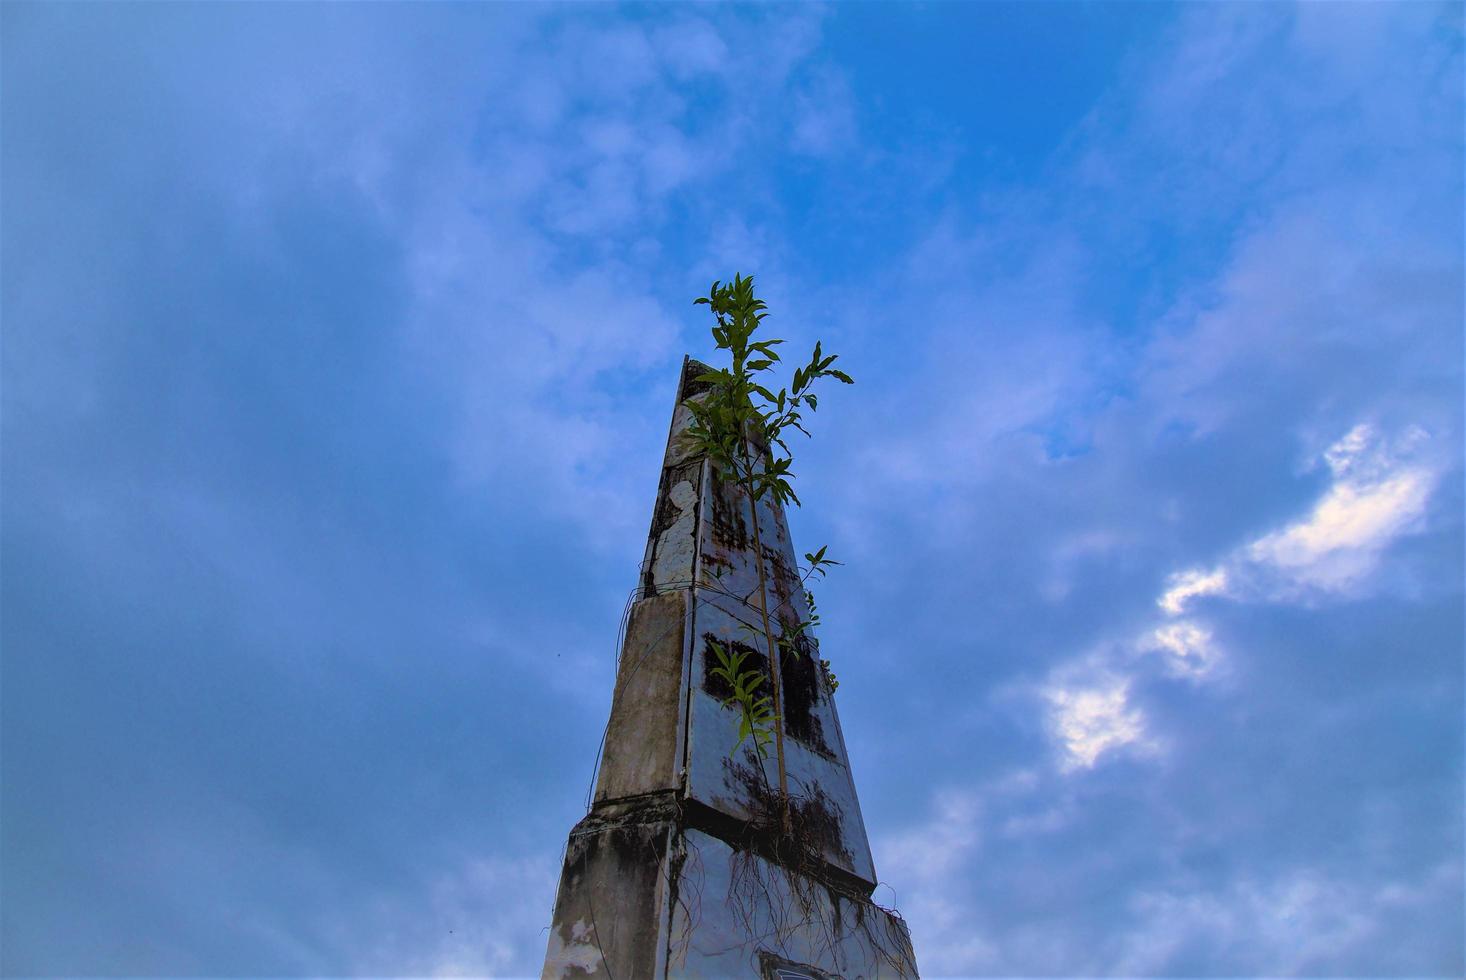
1188,647
1345,454
1341,541
1379,493
1093,721
1190,584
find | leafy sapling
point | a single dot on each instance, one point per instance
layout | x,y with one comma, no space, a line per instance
740,424
757,715
818,565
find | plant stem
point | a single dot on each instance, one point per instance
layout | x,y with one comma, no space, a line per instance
763,608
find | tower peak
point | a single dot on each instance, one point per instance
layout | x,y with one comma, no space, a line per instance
683,866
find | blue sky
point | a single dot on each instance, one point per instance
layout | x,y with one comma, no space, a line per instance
339,346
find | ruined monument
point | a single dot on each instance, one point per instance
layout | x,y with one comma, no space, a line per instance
684,866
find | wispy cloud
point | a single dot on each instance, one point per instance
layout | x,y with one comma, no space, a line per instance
338,349
483,918
1294,923
1257,468
1188,646
1092,721
1187,585
1379,493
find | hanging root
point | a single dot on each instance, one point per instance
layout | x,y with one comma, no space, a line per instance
788,896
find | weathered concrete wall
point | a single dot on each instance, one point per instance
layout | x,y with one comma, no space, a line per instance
611,905
741,786
726,611
683,850
741,915
643,752
648,892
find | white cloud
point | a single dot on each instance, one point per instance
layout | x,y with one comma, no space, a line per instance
949,836
1342,539
1188,646
1188,585
1342,456
1379,493
486,918
532,307
1377,497
939,909
923,858
1091,721
1302,921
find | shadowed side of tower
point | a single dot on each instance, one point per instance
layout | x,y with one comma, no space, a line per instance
682,867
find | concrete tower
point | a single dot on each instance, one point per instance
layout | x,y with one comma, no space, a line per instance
682,867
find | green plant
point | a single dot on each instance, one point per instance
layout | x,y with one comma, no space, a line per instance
757,721
789,639
740,424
